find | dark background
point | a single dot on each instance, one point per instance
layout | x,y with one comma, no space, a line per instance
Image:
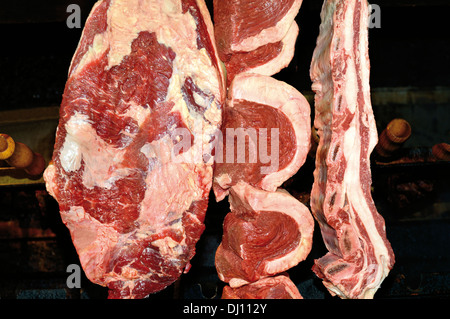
410,64
410,49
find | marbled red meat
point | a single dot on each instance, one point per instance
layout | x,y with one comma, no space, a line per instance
144,79
258,102
255,36
265,233
360,256
277,287
245,25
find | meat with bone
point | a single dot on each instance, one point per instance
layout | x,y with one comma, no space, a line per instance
265,234
277,287
266,134
360,256
144,78
255,36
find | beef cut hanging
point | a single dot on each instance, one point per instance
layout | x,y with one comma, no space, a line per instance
266,233
266,134
255,36
277,287
360,256
142,101
267,230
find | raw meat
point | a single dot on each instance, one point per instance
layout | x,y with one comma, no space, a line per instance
359,256
267,231
245,25
276,119
255,36
277,287
265,234
143,99
268,59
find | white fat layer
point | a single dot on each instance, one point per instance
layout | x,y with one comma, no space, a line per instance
349,139
284,58
352,186
257,200
270,35
98,48
126,19
351,149
169,247
332,40
101,164
137,112
70,154
82,144
161,204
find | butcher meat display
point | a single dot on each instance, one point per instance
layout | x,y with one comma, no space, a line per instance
360,256
266,134
143,99
266,233
277,287
162,108
255,36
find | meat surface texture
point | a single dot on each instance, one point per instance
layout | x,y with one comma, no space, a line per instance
255,36
265,234
245,25
359,256
143,99
266,138
268,121
277,287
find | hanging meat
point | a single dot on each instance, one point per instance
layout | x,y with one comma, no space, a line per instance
146,96
266,138
255,36
266,233
277,287
144,81
360,256
266,134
